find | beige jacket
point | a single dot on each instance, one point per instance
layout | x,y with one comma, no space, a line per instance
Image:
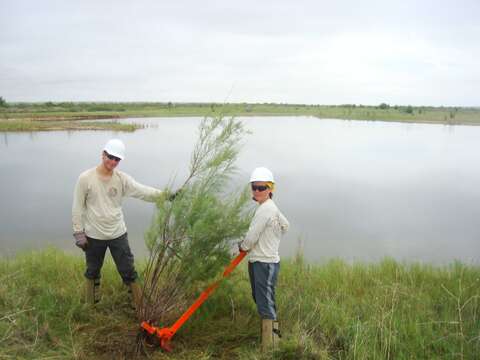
263,237
97,204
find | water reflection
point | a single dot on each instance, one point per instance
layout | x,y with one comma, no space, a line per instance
351,189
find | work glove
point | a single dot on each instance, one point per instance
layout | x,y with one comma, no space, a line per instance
172,196
81,240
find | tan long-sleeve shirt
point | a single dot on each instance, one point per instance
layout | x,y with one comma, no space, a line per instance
264,234
97,204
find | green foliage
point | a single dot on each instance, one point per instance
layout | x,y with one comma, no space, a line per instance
190,238
32,125
386,310
3,102
383,106
38,304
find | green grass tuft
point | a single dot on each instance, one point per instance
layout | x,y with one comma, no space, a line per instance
22,125
386,310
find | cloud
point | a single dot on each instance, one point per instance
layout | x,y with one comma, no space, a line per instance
304,52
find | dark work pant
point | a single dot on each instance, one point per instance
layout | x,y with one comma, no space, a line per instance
121,253
263,279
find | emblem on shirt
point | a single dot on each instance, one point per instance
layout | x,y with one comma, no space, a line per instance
112,192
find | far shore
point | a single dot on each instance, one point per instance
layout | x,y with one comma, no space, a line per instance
71,116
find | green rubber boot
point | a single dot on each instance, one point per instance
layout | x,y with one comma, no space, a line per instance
92,291
267,334
136,291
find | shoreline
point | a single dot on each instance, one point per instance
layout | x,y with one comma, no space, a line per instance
70,116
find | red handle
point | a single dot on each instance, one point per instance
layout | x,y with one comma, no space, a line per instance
205,294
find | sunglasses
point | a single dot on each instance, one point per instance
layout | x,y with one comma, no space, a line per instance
111,157
259,188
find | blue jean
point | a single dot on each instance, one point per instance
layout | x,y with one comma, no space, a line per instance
263,279
121,253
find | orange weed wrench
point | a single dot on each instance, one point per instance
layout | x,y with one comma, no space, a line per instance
165,334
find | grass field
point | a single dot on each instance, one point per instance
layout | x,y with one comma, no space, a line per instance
18,125
30,116
387,310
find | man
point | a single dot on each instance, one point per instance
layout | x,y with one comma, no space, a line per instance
98,221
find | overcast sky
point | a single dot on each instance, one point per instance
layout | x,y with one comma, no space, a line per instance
316,52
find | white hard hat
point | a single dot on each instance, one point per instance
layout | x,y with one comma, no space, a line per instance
116,148
262,174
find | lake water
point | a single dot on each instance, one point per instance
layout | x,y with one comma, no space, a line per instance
355,190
